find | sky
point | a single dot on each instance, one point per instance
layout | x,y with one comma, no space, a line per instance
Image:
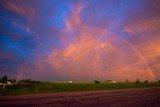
80,40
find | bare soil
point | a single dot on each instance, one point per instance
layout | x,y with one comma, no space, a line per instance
144,97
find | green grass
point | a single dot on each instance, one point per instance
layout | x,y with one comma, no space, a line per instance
53,87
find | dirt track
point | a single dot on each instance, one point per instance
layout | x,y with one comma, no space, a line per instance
149,97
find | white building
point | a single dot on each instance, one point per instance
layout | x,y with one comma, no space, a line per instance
70,81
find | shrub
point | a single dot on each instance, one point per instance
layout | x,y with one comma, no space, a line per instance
146,81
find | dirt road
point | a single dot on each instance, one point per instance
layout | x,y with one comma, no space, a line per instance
149,97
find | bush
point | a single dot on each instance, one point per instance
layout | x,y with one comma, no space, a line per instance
146,81
158,81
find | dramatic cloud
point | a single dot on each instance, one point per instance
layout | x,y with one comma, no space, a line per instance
80,40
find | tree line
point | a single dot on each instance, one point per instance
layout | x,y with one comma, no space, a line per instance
5,79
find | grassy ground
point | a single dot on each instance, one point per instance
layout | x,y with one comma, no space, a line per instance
50,87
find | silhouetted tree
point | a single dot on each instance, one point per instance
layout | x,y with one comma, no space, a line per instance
137,81
13,80
4,79
158,81
146,81
25,81
127,81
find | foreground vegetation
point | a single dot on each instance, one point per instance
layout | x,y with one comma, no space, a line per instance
53,87
28,86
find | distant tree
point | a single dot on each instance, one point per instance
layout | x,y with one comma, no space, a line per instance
127,81
146,81
137,81
25,81
4,79
158,81
0,80
13,80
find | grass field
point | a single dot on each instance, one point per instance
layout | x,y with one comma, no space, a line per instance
53,87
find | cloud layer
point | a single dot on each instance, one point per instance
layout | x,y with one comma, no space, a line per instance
80,40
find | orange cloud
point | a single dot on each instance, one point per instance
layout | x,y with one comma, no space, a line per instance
145,37
74,19
145,25
97,53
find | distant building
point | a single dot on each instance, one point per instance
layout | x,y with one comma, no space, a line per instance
70,81
111,81
9,83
